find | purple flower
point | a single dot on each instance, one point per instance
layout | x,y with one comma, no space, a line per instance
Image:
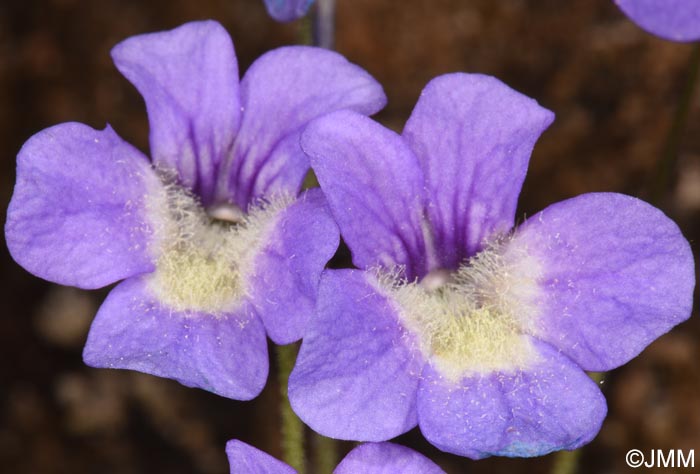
287,10
477,332
216,248
675,20
370,458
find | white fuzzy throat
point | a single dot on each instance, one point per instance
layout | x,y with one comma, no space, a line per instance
203,263
474,320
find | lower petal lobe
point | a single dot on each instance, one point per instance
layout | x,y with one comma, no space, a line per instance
284,281
226,354
245,459
548,406
616,274
386,458
356,375
78,214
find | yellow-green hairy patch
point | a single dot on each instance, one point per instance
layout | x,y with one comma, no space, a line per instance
474,320
203,263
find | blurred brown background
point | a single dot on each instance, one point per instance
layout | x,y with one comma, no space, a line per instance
613,87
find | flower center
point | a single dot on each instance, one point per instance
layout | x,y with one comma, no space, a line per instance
205,258
474,320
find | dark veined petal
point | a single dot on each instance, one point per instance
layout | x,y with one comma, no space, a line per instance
281,92
473,136
189,79
375,189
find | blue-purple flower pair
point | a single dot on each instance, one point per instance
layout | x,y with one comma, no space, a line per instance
216,245
477,332
368,458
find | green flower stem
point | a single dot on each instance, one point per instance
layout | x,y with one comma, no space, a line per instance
325,454
664,170
292,427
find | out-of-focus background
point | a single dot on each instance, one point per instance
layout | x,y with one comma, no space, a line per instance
613,87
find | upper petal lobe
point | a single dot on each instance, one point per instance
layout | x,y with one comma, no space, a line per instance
281,92
189,79
473,136
375,189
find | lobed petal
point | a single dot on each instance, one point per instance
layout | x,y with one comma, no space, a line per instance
675,20
245,459
78,214
473,137
356,376
226,354
550,406
386,458
375,189
281,92
287,10
188,78
286,274
616,274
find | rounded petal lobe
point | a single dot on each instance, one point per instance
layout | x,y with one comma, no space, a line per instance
473,136
287,10
375,189
386,458
189,79
616,273
225,354
550,406
287,270
356,376
675,20
78,214
245,459
281,92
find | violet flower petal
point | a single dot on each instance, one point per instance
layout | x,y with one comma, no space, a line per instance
355,376
189,79
282,91
675,20
287,270
245,459
226,354
78,212
375,189
386,458
473,136
616,274
551,406
287,10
